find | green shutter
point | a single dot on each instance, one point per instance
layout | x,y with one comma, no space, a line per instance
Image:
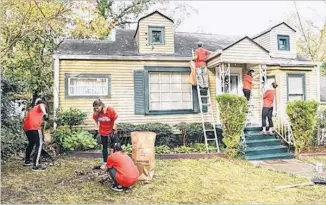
139,89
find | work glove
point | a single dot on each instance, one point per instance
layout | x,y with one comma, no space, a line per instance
46,117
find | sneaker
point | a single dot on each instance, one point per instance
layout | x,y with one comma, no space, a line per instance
103,166
38,168
116,188
28,163
264,133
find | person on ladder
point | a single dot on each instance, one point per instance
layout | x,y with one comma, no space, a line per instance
267,111
247,84
200,64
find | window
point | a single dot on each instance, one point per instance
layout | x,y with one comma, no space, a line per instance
283,42
296,87
169,91
87,85
156,35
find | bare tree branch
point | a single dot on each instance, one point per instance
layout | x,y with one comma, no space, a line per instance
308,44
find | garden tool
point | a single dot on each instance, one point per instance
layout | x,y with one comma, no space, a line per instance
315,180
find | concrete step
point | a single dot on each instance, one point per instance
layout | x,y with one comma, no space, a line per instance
254,151
258,136
261,143
253,128
271,156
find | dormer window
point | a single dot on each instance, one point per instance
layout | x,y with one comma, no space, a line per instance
283,42
156,35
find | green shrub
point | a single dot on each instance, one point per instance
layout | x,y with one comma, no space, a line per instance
12,143
322,118
190,132
162,149
71,117
183,149
199,147
69,140
164,134
127,148
303,118
233,115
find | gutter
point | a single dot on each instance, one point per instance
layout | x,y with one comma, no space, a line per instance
125,58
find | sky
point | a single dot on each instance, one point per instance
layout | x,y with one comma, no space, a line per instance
247,17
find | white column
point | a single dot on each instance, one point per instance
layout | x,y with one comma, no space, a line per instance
56,64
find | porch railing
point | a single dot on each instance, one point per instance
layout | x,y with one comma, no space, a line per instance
283,129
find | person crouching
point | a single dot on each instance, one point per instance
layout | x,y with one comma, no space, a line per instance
122,169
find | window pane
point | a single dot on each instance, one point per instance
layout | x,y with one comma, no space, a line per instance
187,105
186,87
155,97
176,87
166,97
185,78
186,96
167,105
155,87
295,85
177,96
295,97
88,86
165,77
175,78
156,36
165,87
155,106
154,77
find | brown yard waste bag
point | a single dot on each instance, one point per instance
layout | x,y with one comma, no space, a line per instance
143,153
192,76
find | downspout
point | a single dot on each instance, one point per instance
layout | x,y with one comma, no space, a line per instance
56,64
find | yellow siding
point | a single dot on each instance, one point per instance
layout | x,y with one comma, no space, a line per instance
143,32
214,62
122,89
245,51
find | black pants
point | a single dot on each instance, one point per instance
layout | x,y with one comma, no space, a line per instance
113,172
267,112
246,93
35,138
106,142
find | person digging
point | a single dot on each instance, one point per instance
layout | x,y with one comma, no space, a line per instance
122,169
32,128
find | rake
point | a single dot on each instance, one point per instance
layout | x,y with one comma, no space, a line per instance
314,181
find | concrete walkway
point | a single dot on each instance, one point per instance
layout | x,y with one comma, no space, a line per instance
291,166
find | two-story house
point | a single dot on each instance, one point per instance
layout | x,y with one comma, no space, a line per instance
143,73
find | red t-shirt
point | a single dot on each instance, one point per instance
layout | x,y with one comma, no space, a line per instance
247,82
201,54
127,172
34,119
269,98
106,120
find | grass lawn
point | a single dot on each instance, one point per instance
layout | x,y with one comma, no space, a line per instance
314,160
176,181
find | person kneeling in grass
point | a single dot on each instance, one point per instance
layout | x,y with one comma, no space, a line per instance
122,169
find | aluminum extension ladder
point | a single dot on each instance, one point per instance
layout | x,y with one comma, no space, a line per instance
207,118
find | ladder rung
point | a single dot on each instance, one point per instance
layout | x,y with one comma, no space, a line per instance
206,104
209,130
204,96
211,139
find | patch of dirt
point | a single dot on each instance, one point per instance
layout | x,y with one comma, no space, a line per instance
320,149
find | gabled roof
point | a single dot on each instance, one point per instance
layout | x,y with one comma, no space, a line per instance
246,37
268,30
150,14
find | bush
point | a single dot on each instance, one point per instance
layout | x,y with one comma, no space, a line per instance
164,134
233,115
190,132
70,140
12,143
71,117
127,148
162,149
303,118
183,149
